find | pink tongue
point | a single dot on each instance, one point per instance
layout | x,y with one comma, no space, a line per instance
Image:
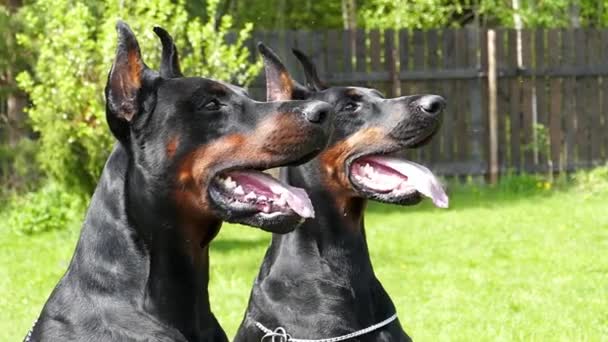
418,177
296,198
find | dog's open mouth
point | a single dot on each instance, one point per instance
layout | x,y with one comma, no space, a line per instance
392,179
252,192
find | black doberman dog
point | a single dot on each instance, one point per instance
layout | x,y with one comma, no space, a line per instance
188,156
318,281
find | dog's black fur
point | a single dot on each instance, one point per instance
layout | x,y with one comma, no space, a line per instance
318,281
140,269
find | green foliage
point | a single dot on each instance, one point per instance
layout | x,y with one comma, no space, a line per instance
207,42
425,14
284,14
12,57
417,14
18,170
75,44
523,183
52,207
592,182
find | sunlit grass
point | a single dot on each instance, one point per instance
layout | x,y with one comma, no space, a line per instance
498,265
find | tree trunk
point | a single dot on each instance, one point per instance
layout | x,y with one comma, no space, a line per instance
12,4
15,116
575,19
349,17
349,14
16,103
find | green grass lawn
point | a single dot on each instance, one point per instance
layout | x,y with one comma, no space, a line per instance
496,266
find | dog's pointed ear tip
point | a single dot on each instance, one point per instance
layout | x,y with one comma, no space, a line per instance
123,28
297,52
161,32
126,36
262,48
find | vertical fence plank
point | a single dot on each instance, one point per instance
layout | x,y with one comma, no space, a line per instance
555,115
375,59
317,52
604,111
492,107
570,101
347,37
404,60
527,102
448,129
375,50
335,59
515,105
484,93
360,51
462,96
595,133
582,141
390,61
432,44
540,157
418,64
476,124
503,109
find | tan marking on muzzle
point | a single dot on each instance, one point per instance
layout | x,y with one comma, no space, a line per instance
334,157
274,140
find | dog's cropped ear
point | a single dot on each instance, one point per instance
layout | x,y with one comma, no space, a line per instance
169,63
310,71
279,84
124,87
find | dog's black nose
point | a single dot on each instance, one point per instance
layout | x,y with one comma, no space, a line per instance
317,112
432,104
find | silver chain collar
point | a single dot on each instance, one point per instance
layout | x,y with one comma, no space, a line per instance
280,334
28,337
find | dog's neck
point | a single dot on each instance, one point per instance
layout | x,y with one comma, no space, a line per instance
338,221
324,261
159,269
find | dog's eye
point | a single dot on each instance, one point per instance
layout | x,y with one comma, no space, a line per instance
211,105
350,107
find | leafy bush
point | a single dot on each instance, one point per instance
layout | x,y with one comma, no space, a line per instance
594,181
74,43
52,207
523,183
18,171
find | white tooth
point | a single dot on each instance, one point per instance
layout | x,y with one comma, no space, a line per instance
266,208
368,170
262,198
239,190
251,195
229,183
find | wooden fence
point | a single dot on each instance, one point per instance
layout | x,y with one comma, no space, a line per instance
550,93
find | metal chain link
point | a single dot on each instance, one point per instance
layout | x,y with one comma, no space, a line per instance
28,337
281,335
